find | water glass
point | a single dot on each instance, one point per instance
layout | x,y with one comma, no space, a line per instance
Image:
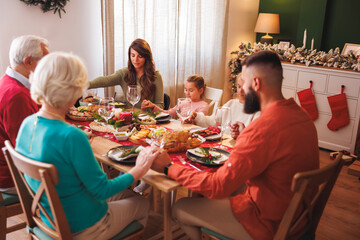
223,119
106,109
183,109
133,95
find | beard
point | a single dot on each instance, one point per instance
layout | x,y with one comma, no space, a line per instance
252,102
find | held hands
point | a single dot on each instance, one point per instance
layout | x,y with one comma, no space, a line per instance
146,104
162,160
144,161
191,118
236,129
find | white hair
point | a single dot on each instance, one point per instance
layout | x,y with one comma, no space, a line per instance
59,79
23,46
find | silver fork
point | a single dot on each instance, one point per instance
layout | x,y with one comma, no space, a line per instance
182,160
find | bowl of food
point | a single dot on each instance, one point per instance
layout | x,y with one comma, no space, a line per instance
121,136
118,104
147,121
88,100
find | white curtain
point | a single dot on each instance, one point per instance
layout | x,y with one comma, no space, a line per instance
186,37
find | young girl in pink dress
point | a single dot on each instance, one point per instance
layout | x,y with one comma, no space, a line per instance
194,90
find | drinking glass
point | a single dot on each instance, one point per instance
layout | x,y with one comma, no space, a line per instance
183,109
223,118
106,109
133,95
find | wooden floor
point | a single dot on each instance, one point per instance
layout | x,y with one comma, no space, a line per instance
340,220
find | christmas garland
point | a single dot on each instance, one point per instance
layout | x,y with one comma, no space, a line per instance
333,58
57,6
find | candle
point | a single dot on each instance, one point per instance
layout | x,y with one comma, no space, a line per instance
312,43
304,39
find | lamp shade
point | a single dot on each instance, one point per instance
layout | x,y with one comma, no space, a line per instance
268,23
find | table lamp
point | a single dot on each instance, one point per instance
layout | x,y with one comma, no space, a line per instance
267,23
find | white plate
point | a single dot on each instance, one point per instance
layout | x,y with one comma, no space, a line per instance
160,115
213,137
224,155
115,153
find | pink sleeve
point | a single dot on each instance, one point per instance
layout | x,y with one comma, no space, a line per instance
203,107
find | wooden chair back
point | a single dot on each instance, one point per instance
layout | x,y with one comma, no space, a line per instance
214,95
311,192
30,201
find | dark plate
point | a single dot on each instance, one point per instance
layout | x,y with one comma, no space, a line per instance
197,159
163,119
131,159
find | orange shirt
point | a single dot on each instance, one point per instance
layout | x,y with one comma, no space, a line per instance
267,154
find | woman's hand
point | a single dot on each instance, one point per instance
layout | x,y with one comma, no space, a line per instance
144,161
236,129
146,104
89,133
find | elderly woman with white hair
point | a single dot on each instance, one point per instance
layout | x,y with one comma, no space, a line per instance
95,207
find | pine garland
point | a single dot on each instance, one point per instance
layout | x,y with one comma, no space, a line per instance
332,59
57,6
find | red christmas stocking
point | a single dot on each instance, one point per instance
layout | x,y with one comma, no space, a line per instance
307,101
339,110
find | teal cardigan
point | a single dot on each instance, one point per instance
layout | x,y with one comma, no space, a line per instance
83,187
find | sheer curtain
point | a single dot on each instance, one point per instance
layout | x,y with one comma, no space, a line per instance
186,37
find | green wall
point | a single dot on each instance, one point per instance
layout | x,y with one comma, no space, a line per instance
342,23
331,23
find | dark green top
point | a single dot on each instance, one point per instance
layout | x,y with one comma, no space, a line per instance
118,78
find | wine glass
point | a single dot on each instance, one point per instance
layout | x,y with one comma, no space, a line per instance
183,109
223,118
106,109
133,95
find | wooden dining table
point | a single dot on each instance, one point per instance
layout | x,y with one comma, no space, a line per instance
159,181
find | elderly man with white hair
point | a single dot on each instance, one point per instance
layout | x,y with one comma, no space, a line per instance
15,101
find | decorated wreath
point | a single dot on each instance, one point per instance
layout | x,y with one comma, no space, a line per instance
57,6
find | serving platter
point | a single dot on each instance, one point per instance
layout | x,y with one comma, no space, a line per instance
213,137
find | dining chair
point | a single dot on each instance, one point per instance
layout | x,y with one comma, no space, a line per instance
166,101
214,95
9,207
47,174
311,192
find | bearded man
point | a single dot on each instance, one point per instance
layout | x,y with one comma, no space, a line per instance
266,156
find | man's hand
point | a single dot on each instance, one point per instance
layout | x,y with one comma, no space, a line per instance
191,118
236,129
146,104
162,160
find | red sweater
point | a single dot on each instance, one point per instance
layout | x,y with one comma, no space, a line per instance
15,105
267,154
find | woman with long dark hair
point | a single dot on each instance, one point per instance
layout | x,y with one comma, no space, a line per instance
140,71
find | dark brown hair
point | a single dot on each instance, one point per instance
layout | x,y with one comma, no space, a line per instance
198,81
265,58
146,81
